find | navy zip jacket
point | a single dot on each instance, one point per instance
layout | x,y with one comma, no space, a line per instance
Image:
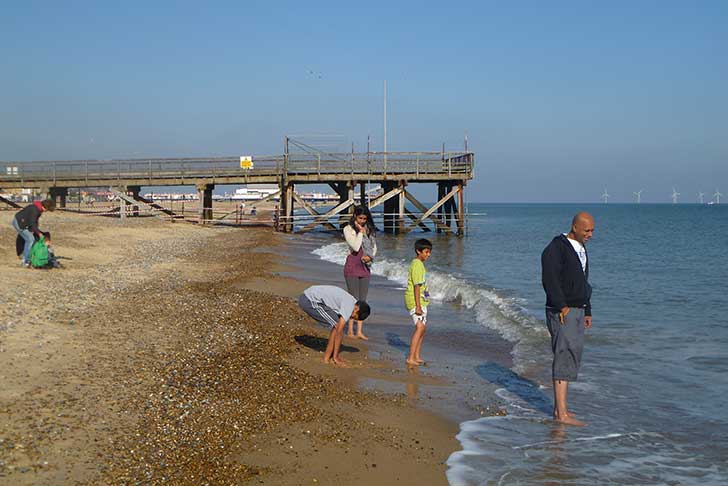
27,218
565,283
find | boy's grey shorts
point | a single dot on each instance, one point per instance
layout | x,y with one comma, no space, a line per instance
321,312
567,342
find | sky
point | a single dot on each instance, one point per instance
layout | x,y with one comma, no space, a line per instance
559,100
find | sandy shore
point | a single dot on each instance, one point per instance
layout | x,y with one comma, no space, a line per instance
168,353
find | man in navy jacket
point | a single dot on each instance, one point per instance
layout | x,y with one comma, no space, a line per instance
565,275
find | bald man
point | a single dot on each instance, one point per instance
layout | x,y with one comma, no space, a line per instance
565,275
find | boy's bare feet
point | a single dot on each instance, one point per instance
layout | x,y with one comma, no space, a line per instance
569,421
412,363
420,361
351,335
362,336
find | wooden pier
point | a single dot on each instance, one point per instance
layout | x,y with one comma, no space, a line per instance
299,165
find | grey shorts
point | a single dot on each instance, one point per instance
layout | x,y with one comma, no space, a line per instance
567,342
320,312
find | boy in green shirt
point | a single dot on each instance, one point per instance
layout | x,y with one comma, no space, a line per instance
416,298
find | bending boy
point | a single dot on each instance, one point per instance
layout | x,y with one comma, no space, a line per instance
332,307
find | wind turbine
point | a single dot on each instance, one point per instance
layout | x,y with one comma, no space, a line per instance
717,196
701,199
675,195
638,195
605,196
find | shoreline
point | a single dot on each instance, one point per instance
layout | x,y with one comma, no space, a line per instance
137,363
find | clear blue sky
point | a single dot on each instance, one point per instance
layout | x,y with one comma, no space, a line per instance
559,99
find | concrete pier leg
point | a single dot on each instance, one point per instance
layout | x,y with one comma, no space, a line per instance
363,193
449,206
59,195
400,208
440,194
461,210
205,195
288,213
391,208
133,191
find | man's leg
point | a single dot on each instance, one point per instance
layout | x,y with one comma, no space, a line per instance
566,343
29,240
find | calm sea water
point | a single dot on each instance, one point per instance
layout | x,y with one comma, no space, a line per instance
654,380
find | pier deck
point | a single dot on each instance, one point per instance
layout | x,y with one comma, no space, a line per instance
342,171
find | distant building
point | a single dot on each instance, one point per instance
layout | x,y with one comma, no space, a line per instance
255,192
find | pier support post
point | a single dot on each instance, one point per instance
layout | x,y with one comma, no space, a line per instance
205,194
391,208
133,191
287,207
440,194
59,195
461,209
400,207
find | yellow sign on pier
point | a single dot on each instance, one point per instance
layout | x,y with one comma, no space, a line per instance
246,161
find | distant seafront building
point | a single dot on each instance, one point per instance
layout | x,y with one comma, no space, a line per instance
675,196
701,197
717,196
254,192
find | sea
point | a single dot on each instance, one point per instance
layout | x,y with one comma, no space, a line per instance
654,381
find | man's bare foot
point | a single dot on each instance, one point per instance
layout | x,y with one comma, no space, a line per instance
350,334
412,363
362,336
340,362
420,360
569,413
569,421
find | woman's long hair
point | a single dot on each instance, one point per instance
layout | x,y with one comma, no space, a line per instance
358,211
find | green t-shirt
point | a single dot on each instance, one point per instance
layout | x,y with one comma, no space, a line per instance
416,277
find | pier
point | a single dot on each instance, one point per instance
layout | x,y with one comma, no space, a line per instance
348,174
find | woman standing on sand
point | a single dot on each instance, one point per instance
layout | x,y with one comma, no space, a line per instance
359,236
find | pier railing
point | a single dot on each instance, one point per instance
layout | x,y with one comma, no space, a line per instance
381,164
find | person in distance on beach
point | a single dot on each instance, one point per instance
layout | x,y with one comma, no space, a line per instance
359,236
565,275
416,299
25,224
332,307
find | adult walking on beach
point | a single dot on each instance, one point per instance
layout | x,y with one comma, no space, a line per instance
565,275
359,236
25,224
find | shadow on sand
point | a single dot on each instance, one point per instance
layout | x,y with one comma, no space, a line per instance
319,344
523,388
395,341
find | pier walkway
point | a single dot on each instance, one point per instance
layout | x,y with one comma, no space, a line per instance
342,171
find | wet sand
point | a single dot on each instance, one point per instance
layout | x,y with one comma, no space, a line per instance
168,353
